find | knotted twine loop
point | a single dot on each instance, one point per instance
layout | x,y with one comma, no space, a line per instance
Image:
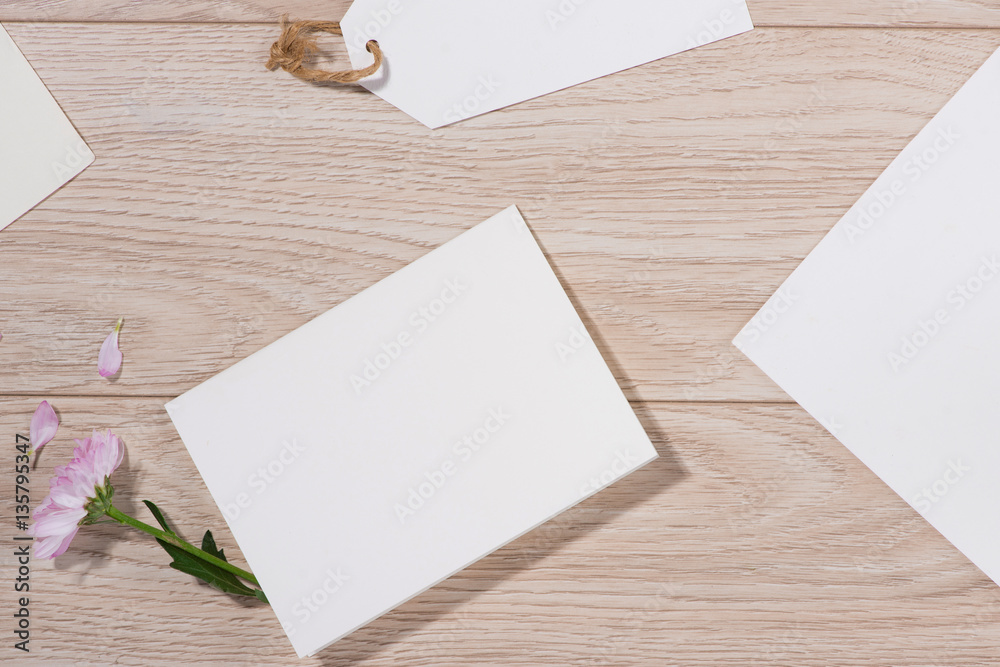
296,43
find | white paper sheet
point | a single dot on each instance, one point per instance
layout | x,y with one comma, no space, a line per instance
888,332
39,149
410,431
448,60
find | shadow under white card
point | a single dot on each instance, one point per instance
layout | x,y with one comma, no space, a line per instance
888,331
40,151
448,60
410,431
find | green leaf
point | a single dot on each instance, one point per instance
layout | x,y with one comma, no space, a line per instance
208,573
198,567
159,516
211,574
208,546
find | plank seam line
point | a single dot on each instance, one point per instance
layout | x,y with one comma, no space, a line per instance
771,26
169,397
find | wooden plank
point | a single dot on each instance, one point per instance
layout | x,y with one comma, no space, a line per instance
885,13
755,539
229,205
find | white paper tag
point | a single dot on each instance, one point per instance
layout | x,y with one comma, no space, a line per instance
448,60
39,149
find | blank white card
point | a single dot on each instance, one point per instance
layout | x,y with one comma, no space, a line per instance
39,149
889,331
410,431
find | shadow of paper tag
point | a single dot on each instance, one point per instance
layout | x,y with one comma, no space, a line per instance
449,60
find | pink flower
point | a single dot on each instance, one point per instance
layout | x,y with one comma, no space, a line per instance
79,493
44,424
109,361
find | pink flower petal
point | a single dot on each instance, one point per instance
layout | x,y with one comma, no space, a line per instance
54,545
57,518
67,496
44,425
109,361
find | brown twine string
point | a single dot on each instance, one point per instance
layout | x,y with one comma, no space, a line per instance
296,43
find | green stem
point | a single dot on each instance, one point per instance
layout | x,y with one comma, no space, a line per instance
170,538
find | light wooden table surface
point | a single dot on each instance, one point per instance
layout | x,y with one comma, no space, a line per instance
229,205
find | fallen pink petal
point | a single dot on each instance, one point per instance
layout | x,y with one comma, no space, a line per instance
109,361
44,424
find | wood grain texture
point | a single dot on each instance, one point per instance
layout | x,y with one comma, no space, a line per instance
756,538
226,209
766,13
229,205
